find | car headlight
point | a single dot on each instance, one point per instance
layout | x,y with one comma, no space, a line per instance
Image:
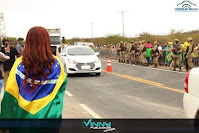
71,61
97,60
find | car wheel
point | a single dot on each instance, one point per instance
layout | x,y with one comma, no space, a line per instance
65,68
197,115
196,122
97,74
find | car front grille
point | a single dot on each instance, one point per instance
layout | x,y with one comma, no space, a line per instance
78,65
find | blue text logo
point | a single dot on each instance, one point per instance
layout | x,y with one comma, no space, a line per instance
186,6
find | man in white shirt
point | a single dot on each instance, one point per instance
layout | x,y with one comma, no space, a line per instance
159,48
20,46
62,49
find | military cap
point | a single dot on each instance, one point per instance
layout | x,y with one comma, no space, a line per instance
176,40
143,41
190,39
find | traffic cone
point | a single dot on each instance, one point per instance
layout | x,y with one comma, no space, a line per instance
109,67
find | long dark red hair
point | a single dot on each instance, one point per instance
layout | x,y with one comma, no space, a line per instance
37,56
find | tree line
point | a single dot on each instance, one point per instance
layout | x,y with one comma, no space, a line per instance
162,39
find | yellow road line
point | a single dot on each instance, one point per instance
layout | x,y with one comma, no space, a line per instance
144,81
168,88
135,78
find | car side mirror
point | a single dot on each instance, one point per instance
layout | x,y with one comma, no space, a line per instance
97,53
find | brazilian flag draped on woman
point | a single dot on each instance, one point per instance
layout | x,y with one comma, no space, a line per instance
44,103
36,83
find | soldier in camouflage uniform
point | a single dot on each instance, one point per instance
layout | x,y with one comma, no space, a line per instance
122,52
127,54
155,54
137,50
177,49
189,55
142,52
121,45
132,52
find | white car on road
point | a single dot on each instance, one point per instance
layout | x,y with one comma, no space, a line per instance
191,95
80,59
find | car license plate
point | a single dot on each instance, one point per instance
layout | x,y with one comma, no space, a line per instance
86,67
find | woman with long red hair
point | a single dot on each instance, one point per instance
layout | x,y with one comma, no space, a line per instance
37,82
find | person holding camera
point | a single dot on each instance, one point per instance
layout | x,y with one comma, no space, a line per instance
9,63
4,56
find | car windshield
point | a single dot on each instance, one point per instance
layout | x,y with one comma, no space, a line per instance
80,51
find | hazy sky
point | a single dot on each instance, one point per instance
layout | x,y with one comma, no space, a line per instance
74,17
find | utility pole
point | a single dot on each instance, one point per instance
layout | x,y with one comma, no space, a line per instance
92,30
123,20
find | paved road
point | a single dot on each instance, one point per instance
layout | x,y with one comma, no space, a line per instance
129,92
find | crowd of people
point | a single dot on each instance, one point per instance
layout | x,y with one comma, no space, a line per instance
173,54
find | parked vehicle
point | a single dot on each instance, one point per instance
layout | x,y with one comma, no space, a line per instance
81,59
55,39
191,95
